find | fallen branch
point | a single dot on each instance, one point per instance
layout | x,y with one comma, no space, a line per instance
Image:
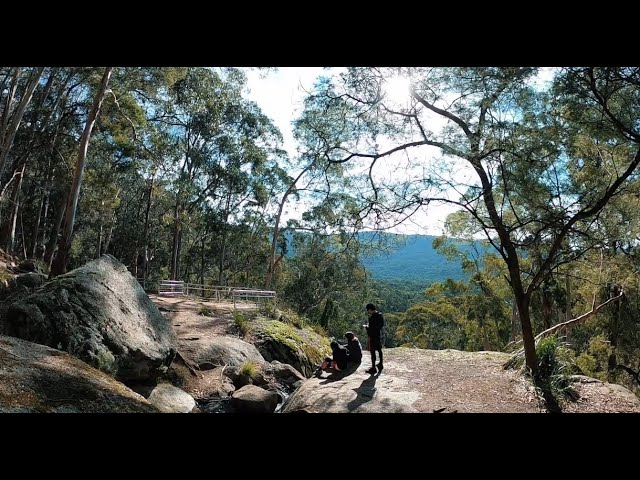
584,316
191,366
549,331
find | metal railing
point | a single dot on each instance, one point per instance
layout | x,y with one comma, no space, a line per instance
218,293
247,293
171,288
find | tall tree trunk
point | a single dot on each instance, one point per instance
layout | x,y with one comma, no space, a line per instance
326,313
9,129
223,241
175,251
145,232
108,240
202,264
36,226
547,308
528,339
223,248
99,245
614,329
8,233
514,322
62,259
276,228
24,242
55,229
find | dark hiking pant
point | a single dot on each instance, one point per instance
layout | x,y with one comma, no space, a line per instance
375,345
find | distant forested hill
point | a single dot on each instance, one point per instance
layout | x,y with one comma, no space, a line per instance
413,259
405,258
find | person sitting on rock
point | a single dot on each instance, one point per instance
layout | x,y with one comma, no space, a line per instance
339,360
354,348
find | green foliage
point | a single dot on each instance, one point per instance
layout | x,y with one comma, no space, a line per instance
205,311
587,364
241,322
552,375
594,362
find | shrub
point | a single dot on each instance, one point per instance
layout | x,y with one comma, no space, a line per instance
242,322
250,369
552,376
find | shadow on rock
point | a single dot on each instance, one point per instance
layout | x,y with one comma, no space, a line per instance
335,375
364,393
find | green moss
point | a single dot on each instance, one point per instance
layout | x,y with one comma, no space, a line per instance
313,346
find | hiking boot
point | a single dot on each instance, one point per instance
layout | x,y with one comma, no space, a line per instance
380,367
372,370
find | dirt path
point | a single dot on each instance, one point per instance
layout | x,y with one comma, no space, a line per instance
188,321
413,380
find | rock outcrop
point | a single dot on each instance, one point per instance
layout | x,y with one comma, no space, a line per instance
216,351
100,314
444,381
35,378
301,348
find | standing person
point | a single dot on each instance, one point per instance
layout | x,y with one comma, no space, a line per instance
374,331
353,347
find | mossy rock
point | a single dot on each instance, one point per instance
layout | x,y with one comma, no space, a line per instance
301,348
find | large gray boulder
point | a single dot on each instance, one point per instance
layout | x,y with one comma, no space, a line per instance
169,399
100,314
301,348
218,351
252,399
35,378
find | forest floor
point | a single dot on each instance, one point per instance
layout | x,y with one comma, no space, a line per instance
197,318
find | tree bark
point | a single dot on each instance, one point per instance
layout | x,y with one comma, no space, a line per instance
8,233
514,322
276,228
55,229
99,245
223,242
177,233
108,240
62,259
145,232
36,226
547,308
9,130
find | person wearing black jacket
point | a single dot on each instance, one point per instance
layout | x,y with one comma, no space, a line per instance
353,348
339,360
374,332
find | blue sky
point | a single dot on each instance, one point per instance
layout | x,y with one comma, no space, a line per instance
280,94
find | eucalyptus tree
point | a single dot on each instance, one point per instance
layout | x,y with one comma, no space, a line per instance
59,266
510,154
